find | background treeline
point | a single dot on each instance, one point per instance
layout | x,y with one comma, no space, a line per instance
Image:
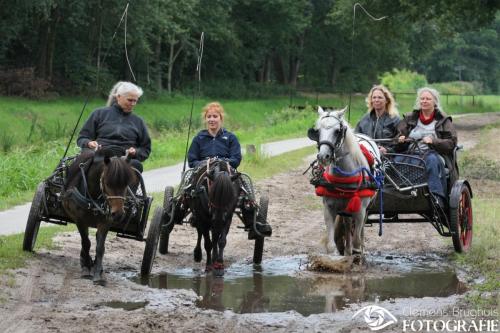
251,46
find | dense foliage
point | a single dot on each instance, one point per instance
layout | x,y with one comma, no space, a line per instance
62,46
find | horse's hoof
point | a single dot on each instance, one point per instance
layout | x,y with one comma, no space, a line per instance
100,282
86,273
197,255
358,259
218,269
208,268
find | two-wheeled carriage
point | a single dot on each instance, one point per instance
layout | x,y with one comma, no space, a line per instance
405,198
47,206
181,207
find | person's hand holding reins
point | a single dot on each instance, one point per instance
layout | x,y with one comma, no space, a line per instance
382,150
131,151
93,145
427,139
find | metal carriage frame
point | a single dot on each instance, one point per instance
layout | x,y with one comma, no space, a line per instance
47,207
406,199
176,210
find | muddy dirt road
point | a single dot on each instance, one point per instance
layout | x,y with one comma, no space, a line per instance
50,296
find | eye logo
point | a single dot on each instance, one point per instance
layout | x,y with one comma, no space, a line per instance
376,317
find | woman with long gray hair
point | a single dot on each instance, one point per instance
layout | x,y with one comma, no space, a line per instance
116,125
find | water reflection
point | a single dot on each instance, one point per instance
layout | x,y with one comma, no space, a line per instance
246,290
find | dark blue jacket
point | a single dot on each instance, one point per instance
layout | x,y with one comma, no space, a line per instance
223,145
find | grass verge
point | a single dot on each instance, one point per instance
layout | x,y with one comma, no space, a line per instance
11,253
483,257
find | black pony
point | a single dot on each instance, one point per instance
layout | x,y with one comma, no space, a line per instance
94,196
217,188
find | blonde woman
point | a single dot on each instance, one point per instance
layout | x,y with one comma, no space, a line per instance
382,118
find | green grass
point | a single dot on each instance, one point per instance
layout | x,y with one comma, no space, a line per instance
11,253
483,256
34,134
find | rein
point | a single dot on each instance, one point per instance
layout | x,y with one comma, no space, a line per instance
107,197
339,140
87,195
209,183
345,178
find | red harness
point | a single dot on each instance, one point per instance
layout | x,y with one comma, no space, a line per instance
354,205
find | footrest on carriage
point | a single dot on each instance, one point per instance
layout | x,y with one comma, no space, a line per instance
262,230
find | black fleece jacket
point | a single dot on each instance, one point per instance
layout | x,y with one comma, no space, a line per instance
111,126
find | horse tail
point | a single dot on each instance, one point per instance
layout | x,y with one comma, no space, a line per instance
222,194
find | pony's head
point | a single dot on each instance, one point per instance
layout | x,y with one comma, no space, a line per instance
116,176
330,133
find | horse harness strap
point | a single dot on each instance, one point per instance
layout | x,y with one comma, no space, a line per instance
209,182
101,185
86,198
339,141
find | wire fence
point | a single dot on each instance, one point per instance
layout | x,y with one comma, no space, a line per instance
315,96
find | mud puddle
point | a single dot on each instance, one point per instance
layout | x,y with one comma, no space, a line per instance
283,284
127,306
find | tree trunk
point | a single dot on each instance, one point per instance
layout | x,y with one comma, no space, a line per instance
295,62
41,68
172,56
47,44
264,72
157,66
99,42
333,70
52,47
294,70
267,74
279,69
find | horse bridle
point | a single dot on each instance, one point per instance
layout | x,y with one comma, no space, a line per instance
108,197
339,140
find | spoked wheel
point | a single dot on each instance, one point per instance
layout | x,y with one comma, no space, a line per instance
461,219
34,218
259,240
151,242
167,210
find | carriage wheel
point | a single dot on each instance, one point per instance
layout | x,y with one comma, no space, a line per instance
34,218
259,240
151,242
167,209
461,218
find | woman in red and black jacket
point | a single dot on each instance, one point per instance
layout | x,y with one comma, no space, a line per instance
436,136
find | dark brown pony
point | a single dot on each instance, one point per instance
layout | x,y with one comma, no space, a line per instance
94,196
213,205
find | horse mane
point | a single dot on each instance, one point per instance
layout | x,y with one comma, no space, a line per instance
118,173
222,193
352,145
